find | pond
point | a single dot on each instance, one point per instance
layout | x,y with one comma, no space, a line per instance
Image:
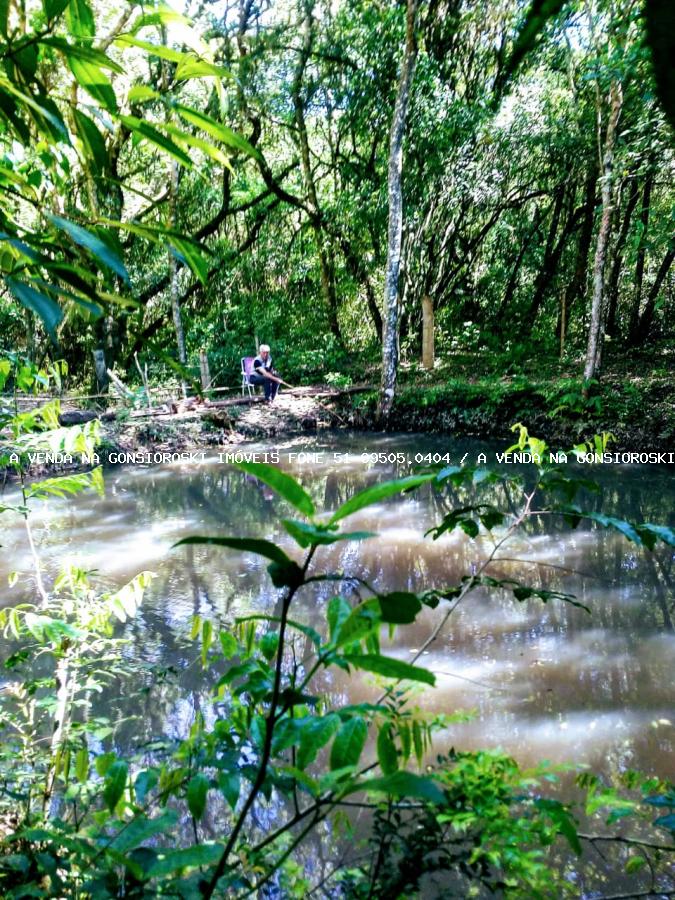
542,681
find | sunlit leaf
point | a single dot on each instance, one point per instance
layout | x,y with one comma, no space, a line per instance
379,492
305,534
146,131
216,130
390,668
286,486
80,19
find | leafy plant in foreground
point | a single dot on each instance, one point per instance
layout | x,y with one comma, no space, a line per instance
229,809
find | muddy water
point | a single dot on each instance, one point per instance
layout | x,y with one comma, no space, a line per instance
543,681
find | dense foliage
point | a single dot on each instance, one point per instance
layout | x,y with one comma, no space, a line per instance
119,149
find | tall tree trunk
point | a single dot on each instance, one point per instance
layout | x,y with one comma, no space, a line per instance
595,328
576,287
395,226
553,256
174,285
615,274
326,267
647,317
510,289
640,261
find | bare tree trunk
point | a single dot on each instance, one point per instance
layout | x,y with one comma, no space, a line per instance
174,282
395,228
427,332
595,328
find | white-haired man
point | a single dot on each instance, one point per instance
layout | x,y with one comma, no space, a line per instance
264,373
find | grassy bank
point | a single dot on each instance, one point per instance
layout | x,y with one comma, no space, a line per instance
638,411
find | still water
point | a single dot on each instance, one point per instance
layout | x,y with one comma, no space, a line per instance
543,681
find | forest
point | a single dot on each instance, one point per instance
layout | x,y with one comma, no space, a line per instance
451,224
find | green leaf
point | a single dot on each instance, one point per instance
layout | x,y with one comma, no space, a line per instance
184,138
146,131
192,857
337,614
196,795
305,534
191,255
363,620
229,784
349,743
378,492
103,763
139,93
401,785
92,141
286,486
561,816
90,77
141,829
153,49
250,545
115,783
651,533
82,764
207,639
386,751
215,129
93,244
83,53
161,15
145,781
191,67
399,607
390,668
80,19
45,113
62,486
42,305
309,632
269,644
315,734
54,8
228,644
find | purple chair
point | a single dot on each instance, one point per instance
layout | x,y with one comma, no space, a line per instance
246,372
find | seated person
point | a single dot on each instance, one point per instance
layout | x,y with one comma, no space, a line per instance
264,374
